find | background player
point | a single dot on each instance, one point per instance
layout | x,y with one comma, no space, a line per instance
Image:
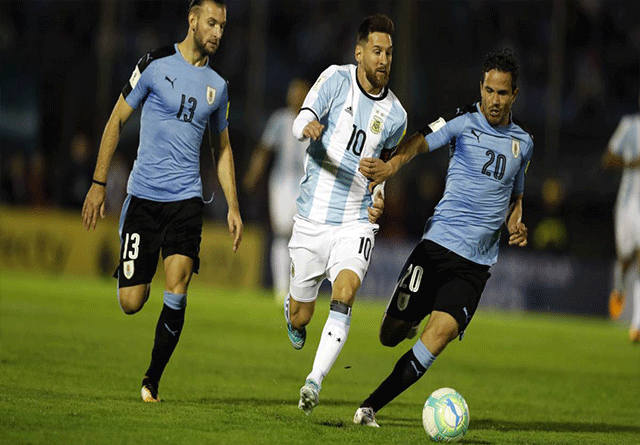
288,155
180,96
446,273
349,113
623,152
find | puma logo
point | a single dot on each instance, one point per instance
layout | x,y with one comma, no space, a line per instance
174,333
476,135
171,81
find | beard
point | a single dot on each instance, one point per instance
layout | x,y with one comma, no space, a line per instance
201,45
375,78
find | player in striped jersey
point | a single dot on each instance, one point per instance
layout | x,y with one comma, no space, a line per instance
349,113
181,97
446,273
623,153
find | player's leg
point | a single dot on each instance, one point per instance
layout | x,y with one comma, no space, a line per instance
634,329
308,254
348,263
280,267
180,249
411,300
139,249
456,302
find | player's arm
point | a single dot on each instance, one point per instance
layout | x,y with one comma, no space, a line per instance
223,157
616,162
306,125
257,166
94,201
378,171
515,226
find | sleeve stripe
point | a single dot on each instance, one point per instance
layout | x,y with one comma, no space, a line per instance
314,113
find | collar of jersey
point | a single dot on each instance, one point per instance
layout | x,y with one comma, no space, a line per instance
385,90
203,67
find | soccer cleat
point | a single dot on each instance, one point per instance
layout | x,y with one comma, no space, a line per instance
616,303
297,336
365,416
308,396
149,391
634,335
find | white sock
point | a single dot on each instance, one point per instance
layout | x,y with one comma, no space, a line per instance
635,289
280,265
333,338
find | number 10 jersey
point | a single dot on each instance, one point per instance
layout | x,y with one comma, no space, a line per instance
356,125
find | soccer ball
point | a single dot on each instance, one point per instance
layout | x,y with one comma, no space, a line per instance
445,415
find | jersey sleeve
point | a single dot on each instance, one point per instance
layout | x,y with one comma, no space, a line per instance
518,183
140,83
395,138
617,141
441,131
271,131
218,120
321,94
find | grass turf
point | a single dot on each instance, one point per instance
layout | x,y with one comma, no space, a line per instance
71,364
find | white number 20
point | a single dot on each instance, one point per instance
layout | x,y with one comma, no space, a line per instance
414,281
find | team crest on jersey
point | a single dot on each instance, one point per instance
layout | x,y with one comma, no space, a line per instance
211,95
128,269
376,125
515,148
403,301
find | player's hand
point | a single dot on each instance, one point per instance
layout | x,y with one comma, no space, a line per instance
93,206
375,211
376,170
517,234
235,227
313,130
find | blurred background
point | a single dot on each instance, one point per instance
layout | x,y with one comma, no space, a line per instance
64,63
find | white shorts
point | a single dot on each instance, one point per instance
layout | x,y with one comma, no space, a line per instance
320,251
282,205
627,230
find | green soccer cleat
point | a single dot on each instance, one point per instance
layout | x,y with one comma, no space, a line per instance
296,336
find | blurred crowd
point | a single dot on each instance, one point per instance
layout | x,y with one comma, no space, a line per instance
64,63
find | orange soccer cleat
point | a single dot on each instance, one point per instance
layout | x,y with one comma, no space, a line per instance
616,303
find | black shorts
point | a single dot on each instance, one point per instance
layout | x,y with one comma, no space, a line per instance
146,227
434,278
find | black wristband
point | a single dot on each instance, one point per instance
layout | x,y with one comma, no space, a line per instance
104,184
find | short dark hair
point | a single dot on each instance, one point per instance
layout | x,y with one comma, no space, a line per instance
198,3
374,23
504,61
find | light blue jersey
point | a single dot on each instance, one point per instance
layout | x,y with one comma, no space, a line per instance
356,125
178,101
487,166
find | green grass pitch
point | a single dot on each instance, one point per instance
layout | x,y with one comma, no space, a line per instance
71,364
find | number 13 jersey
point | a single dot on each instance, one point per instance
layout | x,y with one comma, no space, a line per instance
178,101
356,125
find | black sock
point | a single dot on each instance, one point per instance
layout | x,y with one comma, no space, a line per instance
168,332
407,371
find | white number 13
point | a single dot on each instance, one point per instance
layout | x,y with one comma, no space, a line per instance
135,243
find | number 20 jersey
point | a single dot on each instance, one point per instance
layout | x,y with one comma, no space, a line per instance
356,125
178,101
487,166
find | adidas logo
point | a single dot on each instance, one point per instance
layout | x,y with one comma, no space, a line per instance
349,110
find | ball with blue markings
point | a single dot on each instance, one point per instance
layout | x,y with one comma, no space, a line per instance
445,416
